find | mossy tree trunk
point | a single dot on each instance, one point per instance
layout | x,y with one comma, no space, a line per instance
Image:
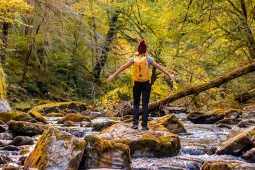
199,88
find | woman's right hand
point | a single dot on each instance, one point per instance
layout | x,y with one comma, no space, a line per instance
110,78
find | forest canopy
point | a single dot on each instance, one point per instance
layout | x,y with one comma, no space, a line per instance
65,50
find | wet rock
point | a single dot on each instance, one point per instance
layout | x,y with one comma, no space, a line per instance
21,128
22,140
61,107
69,123
216,165
222,125
105,154
249,155
2,129
229,121
4,159
233,114
56,150
74,118
55,114
246,123
2,122
237,144
95,114
37,117
170,168
12,167
209,117
15,115
10,148
170,123
210,165
143,143
99,126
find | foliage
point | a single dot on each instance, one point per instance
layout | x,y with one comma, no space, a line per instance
55,45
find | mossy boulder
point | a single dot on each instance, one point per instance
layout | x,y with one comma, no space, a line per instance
220,165
170,123
62,107
15,115
105,154
210,117
74,118
52,114
22,128
37,116
56,150
99,126
237,144
143,143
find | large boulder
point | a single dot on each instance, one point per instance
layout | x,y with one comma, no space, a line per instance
60,107
22,128
56,150
15,115
170,123
236,145
74,118
105,154
210,165
143,143
210,117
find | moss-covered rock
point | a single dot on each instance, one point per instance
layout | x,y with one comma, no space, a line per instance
15,115
169,122
56,150
37,116
99,126
210,117
22,128
220,165
67,107
52,114
237,144
143,143
69,123
105,154
74,118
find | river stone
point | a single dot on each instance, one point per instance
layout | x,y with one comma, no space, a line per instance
170,123
237,144
101,153
15,115
99,126
56,150
143,143
220,165
249,155
74,118
4,106
21,128
22,140
202,117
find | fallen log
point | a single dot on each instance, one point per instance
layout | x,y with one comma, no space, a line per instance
202,87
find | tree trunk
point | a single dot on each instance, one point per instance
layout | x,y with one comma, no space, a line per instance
199,88
4,40
106,47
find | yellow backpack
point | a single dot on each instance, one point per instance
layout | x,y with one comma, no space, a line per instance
141,69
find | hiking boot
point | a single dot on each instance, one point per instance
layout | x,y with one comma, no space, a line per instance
145,128
135,126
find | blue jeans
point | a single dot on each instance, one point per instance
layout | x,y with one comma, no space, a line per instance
144,89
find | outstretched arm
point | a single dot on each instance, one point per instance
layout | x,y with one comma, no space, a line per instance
123,67
154,64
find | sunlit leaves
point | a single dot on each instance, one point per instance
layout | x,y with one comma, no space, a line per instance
12,10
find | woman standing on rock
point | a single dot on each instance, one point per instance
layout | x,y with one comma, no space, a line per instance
141,82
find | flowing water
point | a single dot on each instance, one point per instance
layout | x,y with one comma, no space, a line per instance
197,146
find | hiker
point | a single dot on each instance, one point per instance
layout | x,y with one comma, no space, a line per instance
141,82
